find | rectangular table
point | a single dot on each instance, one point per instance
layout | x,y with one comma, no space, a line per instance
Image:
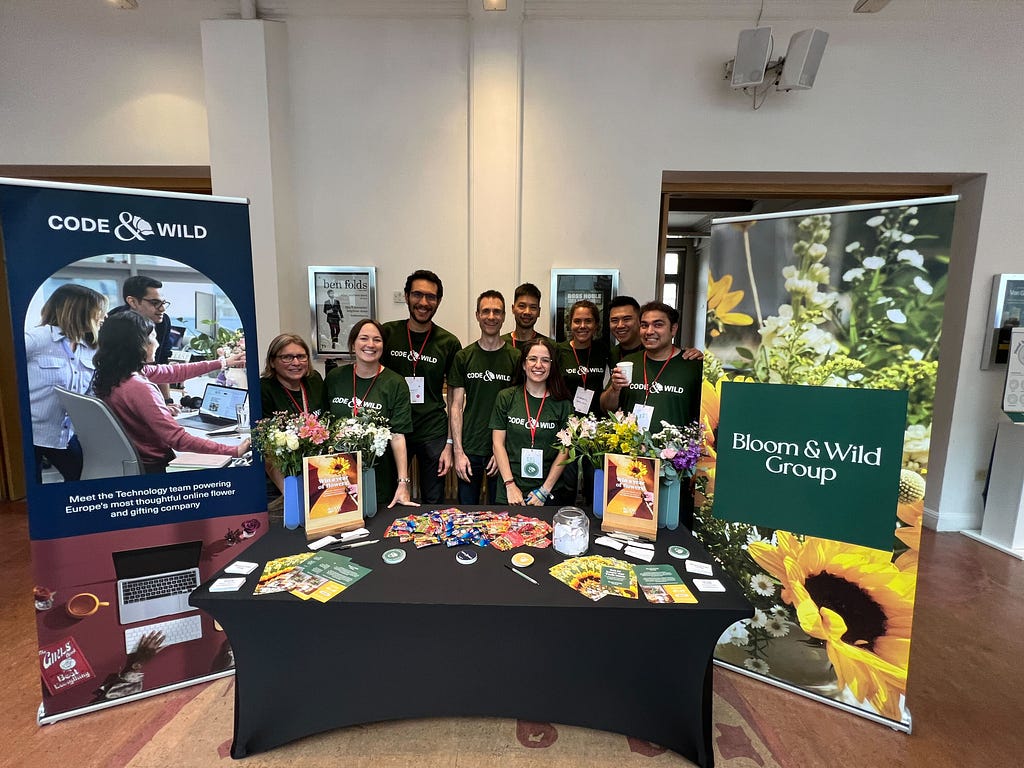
430,637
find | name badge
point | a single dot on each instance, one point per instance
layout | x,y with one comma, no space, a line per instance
644,414
415,388
531,464
581,402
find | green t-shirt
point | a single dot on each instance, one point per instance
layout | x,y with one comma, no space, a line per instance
510,415
617,353
516,344
592,362
483,374
674,394
388,395
274,397
429,418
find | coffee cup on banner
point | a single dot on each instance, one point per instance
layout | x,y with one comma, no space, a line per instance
83,604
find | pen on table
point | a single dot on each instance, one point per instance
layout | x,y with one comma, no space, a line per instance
351,546
520,573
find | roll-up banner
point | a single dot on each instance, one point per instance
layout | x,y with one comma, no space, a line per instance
822,334
117,540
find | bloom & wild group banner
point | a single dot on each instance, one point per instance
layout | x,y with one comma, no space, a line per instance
822,335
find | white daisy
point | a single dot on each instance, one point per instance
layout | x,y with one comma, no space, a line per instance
762,584
756,665
779,611
777,627
896,316
759,620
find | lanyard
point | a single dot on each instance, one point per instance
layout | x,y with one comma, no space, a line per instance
579,367
529,420
647,390
416,359
513,335
305,399
355,397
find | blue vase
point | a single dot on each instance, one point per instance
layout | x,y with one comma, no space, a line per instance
668,503
598,493
292,502
369,492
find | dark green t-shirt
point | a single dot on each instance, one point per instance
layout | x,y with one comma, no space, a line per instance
274,397
675,394
510,415
617,353
516,344
592,362
388,396
483,374
429,418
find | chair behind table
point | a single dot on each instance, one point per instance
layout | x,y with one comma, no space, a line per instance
106,449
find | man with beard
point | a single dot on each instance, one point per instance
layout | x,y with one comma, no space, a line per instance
423,352
526,310
142,294
481,370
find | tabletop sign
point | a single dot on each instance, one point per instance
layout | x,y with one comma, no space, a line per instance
333,500
631,495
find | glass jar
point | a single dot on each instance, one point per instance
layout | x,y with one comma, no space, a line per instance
571,531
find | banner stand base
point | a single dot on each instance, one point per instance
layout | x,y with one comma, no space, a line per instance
902,726
977,536
43,719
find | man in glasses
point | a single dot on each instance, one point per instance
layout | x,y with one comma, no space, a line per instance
142,294
423,352
526,310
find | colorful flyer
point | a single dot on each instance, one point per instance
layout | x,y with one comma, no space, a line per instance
333,501
631,495
662,584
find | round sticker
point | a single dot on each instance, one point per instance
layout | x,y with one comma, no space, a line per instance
680,553
531,470
466,557
393,556
522,559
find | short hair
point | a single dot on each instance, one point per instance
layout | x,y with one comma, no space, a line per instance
278,343
526,289
624,301
659,306
425,274
137,286
123,340
590,307
490,295
77,311
556,383
354,333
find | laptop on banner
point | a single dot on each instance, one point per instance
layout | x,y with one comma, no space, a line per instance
217,408
156,581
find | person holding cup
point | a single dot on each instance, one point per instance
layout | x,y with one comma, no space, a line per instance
524,422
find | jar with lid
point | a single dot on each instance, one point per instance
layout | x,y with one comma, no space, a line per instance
571,531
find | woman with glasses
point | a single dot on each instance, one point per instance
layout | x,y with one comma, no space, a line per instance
127,380
59,353
524,422
366,384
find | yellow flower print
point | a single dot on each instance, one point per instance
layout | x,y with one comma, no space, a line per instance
721,302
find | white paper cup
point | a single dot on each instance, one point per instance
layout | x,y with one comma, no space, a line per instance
627,370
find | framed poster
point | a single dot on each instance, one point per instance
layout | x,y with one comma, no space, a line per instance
339,297
333,500
571,285
1005,311
631,495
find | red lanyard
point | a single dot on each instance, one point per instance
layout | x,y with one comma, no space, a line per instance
579,368
366,394
647,391
305,399
423,346
531,424
513,335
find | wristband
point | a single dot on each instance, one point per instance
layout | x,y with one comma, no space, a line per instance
169,400
449,441
510,482
405,480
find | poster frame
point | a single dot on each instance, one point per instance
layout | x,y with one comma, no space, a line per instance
602,281
992,357
319,329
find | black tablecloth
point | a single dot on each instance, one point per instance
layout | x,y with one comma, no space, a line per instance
430,637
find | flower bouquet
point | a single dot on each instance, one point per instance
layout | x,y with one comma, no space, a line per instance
285,438
368,432
679,448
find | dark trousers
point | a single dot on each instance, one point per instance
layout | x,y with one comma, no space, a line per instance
428,457
67,461
469,493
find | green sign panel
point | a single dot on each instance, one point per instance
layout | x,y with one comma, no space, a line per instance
819,461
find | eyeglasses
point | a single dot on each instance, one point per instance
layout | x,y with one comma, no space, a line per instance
158,303
293,358
538,360
430,298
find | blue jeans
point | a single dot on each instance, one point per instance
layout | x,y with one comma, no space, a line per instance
469,493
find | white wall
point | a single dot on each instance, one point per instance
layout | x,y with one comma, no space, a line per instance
379,95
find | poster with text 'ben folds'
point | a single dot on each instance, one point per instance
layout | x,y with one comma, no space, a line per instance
116,549
822,333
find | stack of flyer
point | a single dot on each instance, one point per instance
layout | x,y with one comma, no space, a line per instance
317,575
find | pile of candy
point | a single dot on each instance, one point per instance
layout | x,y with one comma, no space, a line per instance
455,528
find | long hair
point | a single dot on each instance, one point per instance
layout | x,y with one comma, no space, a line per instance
123,340
77,311
354,333
278,343
557,387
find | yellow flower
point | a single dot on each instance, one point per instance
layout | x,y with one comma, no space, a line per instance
721,302
856,601
337,466
909,534
637,469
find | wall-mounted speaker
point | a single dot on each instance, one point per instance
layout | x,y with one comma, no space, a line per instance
803,57
752,52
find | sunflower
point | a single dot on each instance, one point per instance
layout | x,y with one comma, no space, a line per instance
636,469
909,534
721,302
857,602
337,466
